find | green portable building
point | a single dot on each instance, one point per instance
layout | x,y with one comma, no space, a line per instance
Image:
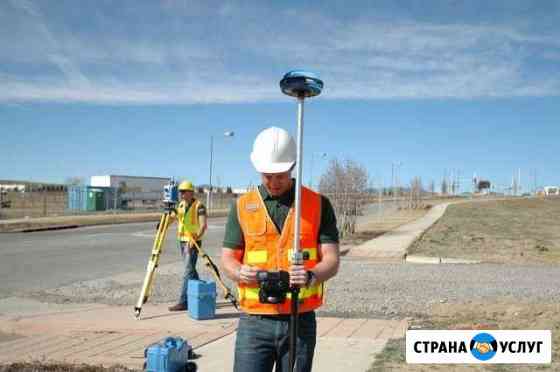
95,200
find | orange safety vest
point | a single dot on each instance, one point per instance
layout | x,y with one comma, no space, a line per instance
268,249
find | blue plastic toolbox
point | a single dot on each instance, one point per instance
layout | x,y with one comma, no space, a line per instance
201,299
169,355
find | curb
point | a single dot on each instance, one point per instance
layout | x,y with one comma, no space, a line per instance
49,228
422,259
438,260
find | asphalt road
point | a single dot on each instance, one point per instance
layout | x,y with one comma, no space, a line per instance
50,259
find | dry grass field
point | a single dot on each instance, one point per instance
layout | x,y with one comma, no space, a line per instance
502,315
503,231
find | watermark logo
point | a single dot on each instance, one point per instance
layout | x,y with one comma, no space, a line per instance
467,347
483,346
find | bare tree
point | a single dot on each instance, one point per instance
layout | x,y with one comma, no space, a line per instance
346,185
415,193
444,187
432,187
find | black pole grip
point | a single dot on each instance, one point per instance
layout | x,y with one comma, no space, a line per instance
294,326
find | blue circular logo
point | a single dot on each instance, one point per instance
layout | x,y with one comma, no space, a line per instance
483,346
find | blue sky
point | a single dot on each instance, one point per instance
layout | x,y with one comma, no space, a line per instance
138,87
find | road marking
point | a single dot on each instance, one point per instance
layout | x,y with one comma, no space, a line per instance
143,235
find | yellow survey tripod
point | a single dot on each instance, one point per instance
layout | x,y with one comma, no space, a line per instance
170,200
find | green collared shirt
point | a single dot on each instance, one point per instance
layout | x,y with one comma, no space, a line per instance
278,208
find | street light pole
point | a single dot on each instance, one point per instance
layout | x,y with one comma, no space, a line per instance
323,155
393,180
395,168
209,195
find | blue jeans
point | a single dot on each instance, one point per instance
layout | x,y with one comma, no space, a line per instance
189,260
263,342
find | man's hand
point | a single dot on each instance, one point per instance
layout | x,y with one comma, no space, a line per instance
298,276
247,274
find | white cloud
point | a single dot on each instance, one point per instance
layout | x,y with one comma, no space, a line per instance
113,92
27,6
241,53
69,69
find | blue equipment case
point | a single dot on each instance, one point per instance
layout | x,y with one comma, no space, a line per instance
201,299
169,355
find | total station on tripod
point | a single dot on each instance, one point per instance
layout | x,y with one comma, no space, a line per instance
170,194
274,285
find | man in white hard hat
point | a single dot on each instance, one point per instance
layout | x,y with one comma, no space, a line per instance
258,237
191,224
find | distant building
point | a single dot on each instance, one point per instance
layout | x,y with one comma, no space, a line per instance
29,186
130,183
551,190
132,191
239,190
12,187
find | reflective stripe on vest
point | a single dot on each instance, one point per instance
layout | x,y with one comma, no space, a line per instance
253,293
268,249
187,221
260,256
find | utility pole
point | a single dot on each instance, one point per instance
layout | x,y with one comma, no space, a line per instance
44,200
519,180
449,185
323,155
209,195
397,168
535,181
380,201
393,179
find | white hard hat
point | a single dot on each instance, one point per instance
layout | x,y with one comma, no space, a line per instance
274,151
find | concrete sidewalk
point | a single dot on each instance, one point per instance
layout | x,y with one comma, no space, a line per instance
107,335
392,246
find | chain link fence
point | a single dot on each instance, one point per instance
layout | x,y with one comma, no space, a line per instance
50,202
15,204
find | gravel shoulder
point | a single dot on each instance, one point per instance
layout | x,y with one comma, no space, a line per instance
364,289
360,290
